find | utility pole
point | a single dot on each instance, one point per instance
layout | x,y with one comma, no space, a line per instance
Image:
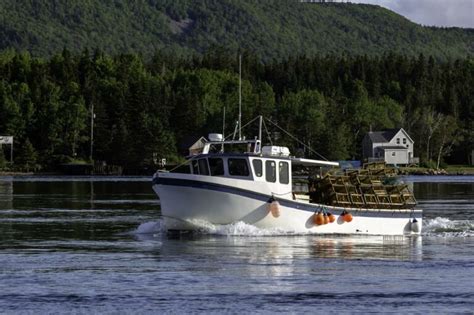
92,131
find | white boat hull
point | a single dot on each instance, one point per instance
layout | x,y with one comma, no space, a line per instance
185,203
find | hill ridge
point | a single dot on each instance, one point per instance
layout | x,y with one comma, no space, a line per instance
270,29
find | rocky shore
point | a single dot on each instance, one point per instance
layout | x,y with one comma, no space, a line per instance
430,171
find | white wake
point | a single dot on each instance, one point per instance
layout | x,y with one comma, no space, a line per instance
441,227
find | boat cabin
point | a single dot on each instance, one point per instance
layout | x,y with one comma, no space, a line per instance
272,165
244,166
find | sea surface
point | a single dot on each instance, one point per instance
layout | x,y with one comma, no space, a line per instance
98,245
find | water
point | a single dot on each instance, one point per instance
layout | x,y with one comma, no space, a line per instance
88,245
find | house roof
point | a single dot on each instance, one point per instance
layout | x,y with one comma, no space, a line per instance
377,136
189,141
199,144
383,136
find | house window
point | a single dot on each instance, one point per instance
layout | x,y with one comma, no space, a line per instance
393,154
238,167
216,165
284,172
404,140
257,167
398,140
270,171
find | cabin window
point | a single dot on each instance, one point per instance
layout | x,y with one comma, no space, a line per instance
238,167
398,140
257,167
284,172
203,168
270,171
216,166
404,140
195,167
393,154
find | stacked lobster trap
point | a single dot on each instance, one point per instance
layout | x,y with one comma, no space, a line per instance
372,187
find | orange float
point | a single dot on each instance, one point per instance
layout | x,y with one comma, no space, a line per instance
347,217
326,218
331,217
318,218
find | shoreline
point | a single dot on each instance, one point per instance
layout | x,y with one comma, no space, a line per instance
462,171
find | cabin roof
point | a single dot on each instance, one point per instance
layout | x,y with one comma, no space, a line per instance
309,162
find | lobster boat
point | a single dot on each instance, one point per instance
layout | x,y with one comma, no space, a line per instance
231,181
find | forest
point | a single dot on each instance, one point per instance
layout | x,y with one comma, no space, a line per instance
144,110
273,29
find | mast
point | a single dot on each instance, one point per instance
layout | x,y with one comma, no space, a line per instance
240,97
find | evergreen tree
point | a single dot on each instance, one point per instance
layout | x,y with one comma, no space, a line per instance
26,157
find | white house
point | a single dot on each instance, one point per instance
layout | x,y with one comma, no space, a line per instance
394,146
197,146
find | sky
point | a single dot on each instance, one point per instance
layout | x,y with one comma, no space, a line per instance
432,12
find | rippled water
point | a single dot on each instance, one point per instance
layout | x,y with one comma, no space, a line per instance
88,245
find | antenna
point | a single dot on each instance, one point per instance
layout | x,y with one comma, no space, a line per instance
235,129
240,97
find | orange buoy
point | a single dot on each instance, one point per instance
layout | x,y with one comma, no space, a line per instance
342,215
347,217
326,218
274,208
318,218
331,217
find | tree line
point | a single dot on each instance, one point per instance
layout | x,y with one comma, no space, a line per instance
146,110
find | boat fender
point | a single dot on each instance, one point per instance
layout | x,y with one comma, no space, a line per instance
346,216
326,218
274,208
415,226
331,217
318,218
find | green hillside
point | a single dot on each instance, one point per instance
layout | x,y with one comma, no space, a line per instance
270,29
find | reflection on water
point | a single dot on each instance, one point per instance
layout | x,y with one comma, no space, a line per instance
272,248
107,238
6,193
